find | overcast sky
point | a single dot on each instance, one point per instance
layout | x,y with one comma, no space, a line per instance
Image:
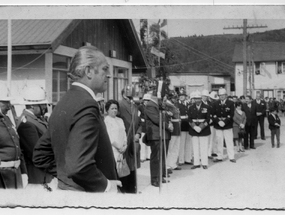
190,27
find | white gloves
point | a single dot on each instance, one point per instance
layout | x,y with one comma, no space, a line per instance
25,180
221,123
197,129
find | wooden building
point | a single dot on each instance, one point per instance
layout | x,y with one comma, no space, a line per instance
42,51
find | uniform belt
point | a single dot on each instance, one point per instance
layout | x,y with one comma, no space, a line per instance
175,120
198,120
10,164
184,117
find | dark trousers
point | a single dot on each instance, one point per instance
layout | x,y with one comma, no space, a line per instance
275,132
10,178
154,160
260,121
249,134
129,183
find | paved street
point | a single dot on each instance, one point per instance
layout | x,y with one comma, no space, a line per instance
257,181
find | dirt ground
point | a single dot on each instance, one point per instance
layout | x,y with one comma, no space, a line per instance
256,181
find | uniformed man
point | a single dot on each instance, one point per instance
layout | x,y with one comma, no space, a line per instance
186,147
212,152
31,128
13,172
174,143
199,118
223,113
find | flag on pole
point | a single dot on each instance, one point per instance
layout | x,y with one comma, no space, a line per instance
157,52
163,23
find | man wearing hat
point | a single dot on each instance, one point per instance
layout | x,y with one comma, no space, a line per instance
186,148
145,150
31,127
13,172
223,113
199,118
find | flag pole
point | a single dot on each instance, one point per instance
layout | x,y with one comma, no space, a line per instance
9,58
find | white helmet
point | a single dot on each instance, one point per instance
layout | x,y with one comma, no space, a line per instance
34,95
4,93
213,95
222,91
197,95
205,92
146,96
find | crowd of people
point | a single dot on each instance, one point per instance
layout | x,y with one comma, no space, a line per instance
94,147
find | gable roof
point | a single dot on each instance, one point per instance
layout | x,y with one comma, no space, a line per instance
32,32
262,52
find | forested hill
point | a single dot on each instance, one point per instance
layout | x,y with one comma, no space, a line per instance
209,53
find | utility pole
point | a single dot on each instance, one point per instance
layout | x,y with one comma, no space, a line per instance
245,27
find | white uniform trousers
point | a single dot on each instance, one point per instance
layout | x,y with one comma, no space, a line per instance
173,152
186,147
212,142
226,134
145,150
200,148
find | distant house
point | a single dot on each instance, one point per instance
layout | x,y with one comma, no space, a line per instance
198,80
42,51
267,72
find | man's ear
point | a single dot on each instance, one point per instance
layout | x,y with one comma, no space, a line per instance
88,72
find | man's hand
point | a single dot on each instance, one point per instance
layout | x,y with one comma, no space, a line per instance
221,123
197,129
277,124
241,125
137,138
122,149
258,113
114,186
170,127
25,180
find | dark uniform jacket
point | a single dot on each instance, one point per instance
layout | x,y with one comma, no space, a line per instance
126,112
261,107
30,130
152,122
76,146
272,120
183,108
199,117
211,104
10,151
250,113
223,112
142,118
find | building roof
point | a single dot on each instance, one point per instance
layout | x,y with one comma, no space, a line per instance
262,52
32,32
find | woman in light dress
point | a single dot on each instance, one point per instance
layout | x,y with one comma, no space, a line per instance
116,129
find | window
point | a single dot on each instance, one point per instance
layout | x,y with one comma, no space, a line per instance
60,81
120,76
280,68
216,87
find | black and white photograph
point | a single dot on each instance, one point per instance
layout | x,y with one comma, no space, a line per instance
142,108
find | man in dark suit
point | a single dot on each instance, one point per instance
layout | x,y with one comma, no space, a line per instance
76,147
153,136
250,111
129,113
260,115
31,128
